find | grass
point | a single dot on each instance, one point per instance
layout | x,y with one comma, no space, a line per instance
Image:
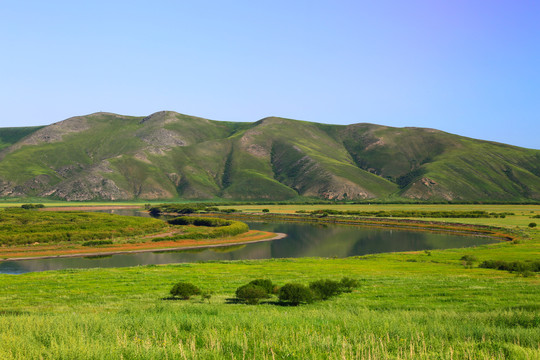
22,227
31,233
417,305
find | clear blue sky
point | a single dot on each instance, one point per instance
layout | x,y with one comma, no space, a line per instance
470,67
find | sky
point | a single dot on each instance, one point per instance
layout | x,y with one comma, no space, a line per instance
468,67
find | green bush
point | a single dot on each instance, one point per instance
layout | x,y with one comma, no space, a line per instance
184,290
295,294
265,210
468,260
266,284
325,289
251,294
533,224
514,266
348,284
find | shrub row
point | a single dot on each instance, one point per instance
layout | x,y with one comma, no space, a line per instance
32,206
294,293
232,229
513,266
186,209
410,213
199,221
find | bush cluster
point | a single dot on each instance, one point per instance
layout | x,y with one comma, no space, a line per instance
184,290
522,267
294,293
32,206
200,221
220,228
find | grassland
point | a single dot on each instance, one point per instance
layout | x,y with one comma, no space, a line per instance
32,233
419,305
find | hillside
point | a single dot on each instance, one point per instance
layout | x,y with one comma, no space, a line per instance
168,155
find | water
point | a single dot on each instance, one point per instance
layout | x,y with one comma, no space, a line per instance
303,240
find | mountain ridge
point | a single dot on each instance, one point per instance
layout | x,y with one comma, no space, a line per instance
168,155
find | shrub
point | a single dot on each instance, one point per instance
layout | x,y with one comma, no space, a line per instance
266,284
325,289
533,224
468,260
265,210
184,290
155,211
207,295
517,266
347,284
32,206
295,294
251,294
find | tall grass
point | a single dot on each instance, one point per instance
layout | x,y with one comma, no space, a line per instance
119,313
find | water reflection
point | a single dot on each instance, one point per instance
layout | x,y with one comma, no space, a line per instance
303,240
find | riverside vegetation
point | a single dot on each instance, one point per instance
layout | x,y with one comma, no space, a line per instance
418,305
27,232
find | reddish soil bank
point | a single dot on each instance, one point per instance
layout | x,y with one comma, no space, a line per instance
52,251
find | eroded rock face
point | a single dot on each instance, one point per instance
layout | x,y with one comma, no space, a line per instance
55,132
426,189
162,139
88,188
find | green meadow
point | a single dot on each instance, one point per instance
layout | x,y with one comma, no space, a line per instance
420,305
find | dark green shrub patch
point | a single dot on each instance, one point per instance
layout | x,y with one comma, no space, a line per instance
533,224
251,294
266,284
97,242
200,221
295,294
184,290
513,266
219,228
325,289
32,206
348,284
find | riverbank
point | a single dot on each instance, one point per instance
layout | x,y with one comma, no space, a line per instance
252,236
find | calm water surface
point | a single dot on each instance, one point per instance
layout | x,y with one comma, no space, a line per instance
303,240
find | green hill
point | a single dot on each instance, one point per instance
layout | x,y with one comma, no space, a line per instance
172,156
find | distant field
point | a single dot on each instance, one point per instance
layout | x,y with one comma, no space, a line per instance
522,213
417,305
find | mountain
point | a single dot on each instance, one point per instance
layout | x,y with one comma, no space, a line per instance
170,155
